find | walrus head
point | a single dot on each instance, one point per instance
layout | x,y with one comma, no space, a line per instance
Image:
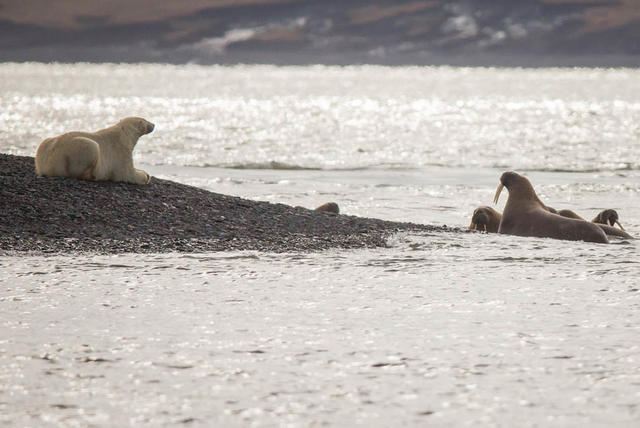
609,217
329,207
518,185
485,219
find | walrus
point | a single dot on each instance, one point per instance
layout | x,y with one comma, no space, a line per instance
485,219
525,215
605,220
329,207
609,217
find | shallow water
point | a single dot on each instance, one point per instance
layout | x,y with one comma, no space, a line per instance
433,331
441,329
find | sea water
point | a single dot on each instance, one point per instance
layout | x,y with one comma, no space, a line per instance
440,329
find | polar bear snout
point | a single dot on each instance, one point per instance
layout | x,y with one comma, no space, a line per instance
140,125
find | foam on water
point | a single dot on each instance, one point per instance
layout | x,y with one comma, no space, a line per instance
445,329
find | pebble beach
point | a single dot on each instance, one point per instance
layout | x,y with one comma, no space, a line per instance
53,214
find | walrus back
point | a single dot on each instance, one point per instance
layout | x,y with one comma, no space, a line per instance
543,224
559,227
582,230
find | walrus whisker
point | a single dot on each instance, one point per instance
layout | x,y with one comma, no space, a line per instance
498,191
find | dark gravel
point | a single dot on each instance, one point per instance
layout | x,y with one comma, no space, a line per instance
41,215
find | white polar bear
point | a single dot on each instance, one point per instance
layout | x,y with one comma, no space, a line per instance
102,155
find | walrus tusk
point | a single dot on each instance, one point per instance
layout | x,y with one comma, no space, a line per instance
618,223
498,190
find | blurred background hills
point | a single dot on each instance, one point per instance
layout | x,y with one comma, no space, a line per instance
465,32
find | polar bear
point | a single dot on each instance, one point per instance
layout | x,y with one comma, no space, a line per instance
102,155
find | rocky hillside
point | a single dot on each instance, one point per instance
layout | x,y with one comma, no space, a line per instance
483,32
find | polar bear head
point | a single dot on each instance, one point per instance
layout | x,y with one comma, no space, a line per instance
136,127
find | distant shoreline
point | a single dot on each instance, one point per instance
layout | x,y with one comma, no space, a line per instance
52,215
473,33
294,59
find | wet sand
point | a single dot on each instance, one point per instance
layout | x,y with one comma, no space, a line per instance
40,215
